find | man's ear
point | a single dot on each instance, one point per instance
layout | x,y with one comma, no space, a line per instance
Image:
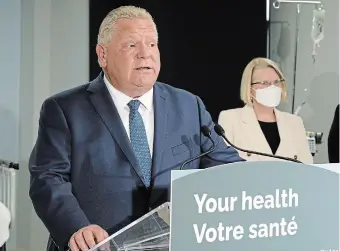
101,54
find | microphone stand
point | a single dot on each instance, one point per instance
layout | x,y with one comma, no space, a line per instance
219,130
206,132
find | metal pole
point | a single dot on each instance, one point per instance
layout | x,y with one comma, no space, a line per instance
268,26
298,2
295,53
277,3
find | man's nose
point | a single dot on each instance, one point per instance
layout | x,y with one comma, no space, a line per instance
144,52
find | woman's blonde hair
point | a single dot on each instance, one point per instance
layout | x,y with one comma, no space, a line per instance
258,63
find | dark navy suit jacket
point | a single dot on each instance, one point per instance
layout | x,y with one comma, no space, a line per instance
83,169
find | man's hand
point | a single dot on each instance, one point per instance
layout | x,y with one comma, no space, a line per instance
87,237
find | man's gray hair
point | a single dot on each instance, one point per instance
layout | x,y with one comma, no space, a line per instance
107,27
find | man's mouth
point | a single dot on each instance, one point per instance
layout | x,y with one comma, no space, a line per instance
143,68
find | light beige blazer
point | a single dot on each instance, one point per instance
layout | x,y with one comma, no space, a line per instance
243,130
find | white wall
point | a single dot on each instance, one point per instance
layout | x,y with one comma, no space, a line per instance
317,83
10,79
10,82
44,50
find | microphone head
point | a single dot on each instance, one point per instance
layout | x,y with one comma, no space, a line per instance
205,131
219,130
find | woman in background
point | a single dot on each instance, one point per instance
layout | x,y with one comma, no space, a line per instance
259,125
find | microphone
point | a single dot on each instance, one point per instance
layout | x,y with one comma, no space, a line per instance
207,133
220,131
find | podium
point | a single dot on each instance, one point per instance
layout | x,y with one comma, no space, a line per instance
150,232
241,206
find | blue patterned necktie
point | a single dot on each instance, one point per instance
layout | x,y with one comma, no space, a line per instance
139,140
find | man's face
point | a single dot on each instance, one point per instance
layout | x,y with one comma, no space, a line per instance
131,59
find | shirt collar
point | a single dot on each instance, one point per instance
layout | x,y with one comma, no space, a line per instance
121,99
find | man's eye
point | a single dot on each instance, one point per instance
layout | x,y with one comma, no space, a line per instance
152,44
132,45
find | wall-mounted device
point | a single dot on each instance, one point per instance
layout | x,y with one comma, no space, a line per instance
314,139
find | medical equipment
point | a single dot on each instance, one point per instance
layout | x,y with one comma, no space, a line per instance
317,32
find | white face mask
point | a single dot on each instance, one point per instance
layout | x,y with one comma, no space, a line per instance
269,96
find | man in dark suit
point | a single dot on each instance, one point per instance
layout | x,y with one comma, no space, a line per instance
333,139
105,149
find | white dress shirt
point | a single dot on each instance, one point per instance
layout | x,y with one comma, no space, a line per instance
146,110
5,219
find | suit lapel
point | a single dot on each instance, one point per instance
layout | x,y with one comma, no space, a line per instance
254,134
104,105
160,131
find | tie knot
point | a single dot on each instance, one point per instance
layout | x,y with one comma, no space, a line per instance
134,105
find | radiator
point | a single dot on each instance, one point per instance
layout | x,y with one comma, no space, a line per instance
8,188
